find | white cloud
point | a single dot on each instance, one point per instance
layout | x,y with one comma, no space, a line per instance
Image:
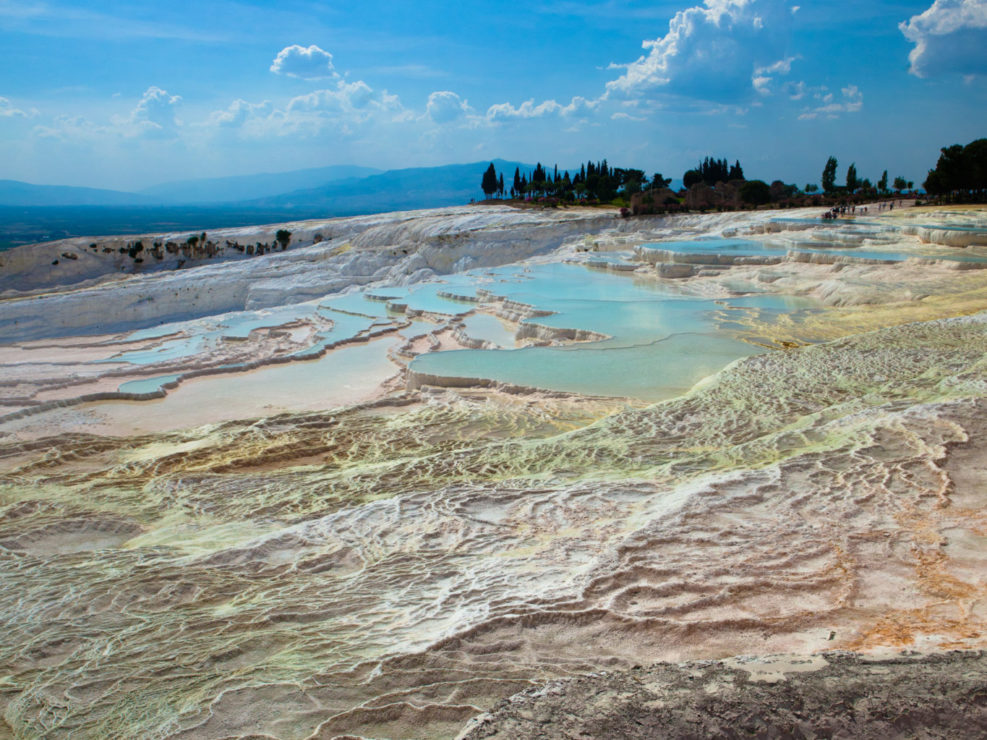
153,117
354,98
528,109
307,63
621,116
949,37
341,109
852,102
72,128
7,110
712,52
762,84
445,106
239,113
782,66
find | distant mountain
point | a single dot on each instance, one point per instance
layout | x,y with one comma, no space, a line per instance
16,193
419,187
214,190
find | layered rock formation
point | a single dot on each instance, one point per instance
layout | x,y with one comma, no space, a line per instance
398,567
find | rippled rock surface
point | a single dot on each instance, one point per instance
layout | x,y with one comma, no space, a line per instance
396,568
836,695
390,572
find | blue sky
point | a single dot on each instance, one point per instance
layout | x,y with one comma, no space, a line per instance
130,94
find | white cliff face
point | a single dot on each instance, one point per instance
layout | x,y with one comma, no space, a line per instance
396,248
401,248
391,568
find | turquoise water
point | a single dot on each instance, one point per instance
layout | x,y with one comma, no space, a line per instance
853,221
148,385
200,333
490,329
734,247
426,297
743,248
659,344
173,349
357,302
416,328
650,372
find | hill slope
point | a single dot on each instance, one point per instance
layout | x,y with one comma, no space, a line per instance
17,193
248,187
395,190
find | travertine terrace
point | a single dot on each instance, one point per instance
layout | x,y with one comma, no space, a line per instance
257,544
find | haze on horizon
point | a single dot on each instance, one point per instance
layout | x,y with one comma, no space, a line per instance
126,96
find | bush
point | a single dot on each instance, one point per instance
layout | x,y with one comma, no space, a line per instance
755,192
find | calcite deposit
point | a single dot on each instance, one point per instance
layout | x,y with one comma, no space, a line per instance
228,509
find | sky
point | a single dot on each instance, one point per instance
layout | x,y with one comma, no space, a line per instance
129,94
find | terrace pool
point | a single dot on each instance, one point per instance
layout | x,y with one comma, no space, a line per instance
658,344
745,248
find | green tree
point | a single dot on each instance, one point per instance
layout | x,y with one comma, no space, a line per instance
811,187
882,184
500,185
755,192
851,178
829,175
658,181
283,237
900,183
489,182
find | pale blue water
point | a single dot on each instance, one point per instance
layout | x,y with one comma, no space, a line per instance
660,344
426,297
202,332
416,328
490,329
173,349
147,385
743,248
650,372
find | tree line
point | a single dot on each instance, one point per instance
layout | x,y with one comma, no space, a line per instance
960,175
594,182
854,184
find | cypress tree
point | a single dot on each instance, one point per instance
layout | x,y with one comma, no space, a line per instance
489,182
829,175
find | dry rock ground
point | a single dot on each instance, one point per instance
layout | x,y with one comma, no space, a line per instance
834,695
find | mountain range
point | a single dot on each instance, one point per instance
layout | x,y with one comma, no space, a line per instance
336,190
34,213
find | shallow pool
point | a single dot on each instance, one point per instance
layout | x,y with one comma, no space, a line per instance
658,344
745,248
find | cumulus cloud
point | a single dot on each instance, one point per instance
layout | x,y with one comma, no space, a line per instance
721,51
352,98
7,110
307,63
528,109
239,113
340,109
828,107
445,107
70,128
153,117
621,116
949,37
